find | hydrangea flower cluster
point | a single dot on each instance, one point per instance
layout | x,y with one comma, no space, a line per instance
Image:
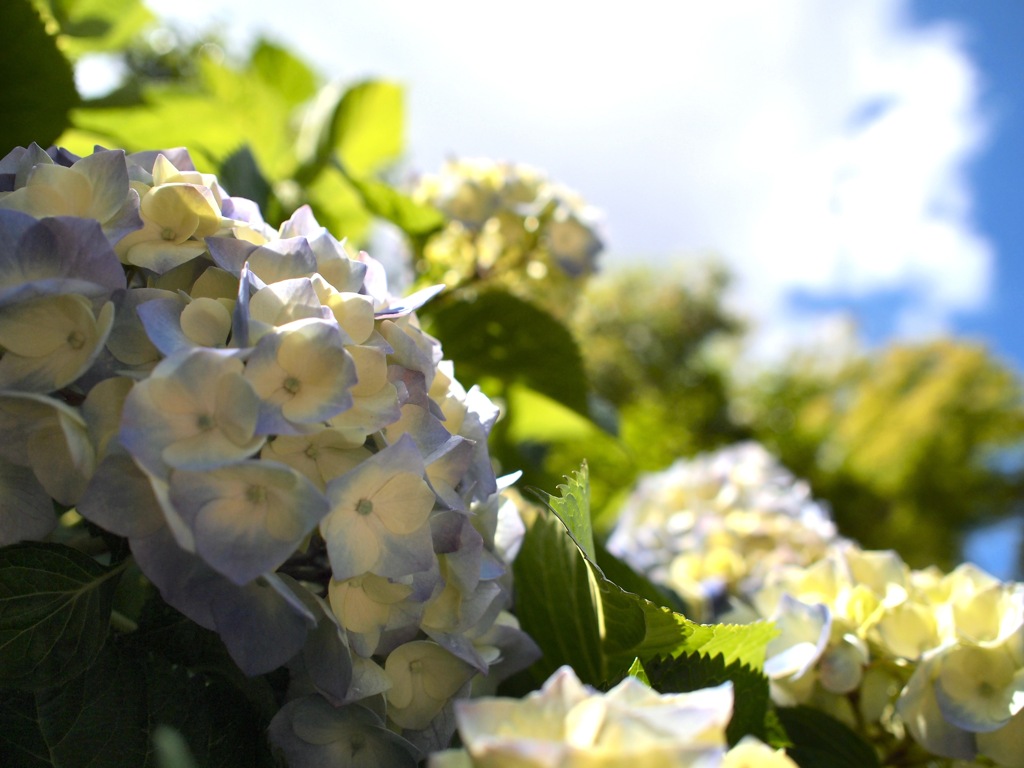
915,661
569,725
509,225
716,525
290,458
894,651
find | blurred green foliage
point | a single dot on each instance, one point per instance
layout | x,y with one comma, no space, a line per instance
651,342
911,445
266,123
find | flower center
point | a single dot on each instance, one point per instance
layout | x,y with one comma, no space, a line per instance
256,494
204,422
76,340
356,743
168,234
364,507
292,385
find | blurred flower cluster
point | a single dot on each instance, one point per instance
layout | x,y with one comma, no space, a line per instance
509,226
569,725
920,663
716,525
289,457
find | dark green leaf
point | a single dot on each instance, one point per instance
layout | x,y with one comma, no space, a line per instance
37,87
694,671
107,717
820,741
240,175
54,613
572,611
498,335
182,642
578,617
21,742
96,720
554,602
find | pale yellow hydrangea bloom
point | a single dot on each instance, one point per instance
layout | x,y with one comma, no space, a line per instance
569,725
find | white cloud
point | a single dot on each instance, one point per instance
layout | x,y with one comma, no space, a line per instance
819,146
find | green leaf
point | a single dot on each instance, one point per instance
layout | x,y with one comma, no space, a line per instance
555,604
37,87
171,748
820,741
735,643
578,617
240,174
496,335
283,71
213,120
693,671
167,633
415,219
637,670
107,716
623,575
361,127
573,509
96,720
537,418
368,127
55,607
337,206
88,26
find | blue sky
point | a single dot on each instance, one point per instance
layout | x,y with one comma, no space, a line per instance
847,159
994,32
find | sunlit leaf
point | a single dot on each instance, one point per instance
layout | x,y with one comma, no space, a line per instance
230,107
89,26
637,670
573,508
415,219
55,606
367,128
283,71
